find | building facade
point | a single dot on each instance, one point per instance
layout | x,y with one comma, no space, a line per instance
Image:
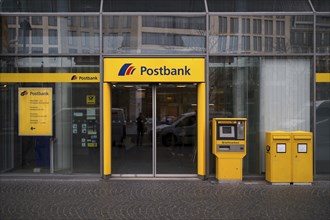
267,61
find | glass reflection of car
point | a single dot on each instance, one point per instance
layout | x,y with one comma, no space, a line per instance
118,126
180,131
322,135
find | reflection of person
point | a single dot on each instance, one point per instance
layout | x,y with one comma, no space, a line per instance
140,129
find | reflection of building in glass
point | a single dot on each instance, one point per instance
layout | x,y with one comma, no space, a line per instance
153,33
149,34
261,34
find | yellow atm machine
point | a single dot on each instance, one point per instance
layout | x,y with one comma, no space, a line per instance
229,147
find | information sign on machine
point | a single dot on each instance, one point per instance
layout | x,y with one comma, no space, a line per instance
35,111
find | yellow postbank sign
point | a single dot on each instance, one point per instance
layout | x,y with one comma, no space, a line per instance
35,111
154,70
322,77
50,77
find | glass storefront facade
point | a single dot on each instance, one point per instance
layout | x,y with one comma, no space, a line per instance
265,62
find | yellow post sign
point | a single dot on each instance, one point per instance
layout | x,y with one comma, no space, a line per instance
90,99
35,111
154,70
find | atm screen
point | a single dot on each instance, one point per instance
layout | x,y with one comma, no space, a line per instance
226,131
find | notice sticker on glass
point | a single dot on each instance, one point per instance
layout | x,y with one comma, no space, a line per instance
35,111
280,148
302,148
78,114
91,113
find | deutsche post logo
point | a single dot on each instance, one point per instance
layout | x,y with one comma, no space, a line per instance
74,77
90,99
24,93
126,70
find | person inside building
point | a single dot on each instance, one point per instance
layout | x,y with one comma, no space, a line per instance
140,121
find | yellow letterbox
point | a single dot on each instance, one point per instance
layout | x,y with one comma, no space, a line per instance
302,157
229,147
278,157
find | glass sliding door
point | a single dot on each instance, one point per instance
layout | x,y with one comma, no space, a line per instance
138,110
131,115
176,120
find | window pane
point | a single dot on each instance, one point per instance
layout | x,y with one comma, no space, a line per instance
257,43
258,88
36,50
51,6
257,26
323,34
74,35
154,6
269,44
222,43
77,64
245,25
52,21
321,5
156,34
32,154
275,34
245,43
233,44
52,34
223,25
37,36
233,25
36,20
268,27
258,5
322,105
280,44
74,151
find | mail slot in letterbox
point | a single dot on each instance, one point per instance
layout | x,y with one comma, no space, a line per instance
230,148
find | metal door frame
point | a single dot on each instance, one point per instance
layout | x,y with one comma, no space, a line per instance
202,120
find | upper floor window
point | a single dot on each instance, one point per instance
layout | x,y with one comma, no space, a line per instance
257,26
245,25
268,27
223,25
36,20
37,36
233,25
52,21
280,27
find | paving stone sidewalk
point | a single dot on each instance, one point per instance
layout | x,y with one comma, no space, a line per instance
160,199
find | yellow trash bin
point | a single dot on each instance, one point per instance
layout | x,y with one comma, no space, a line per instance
278,157
302,157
